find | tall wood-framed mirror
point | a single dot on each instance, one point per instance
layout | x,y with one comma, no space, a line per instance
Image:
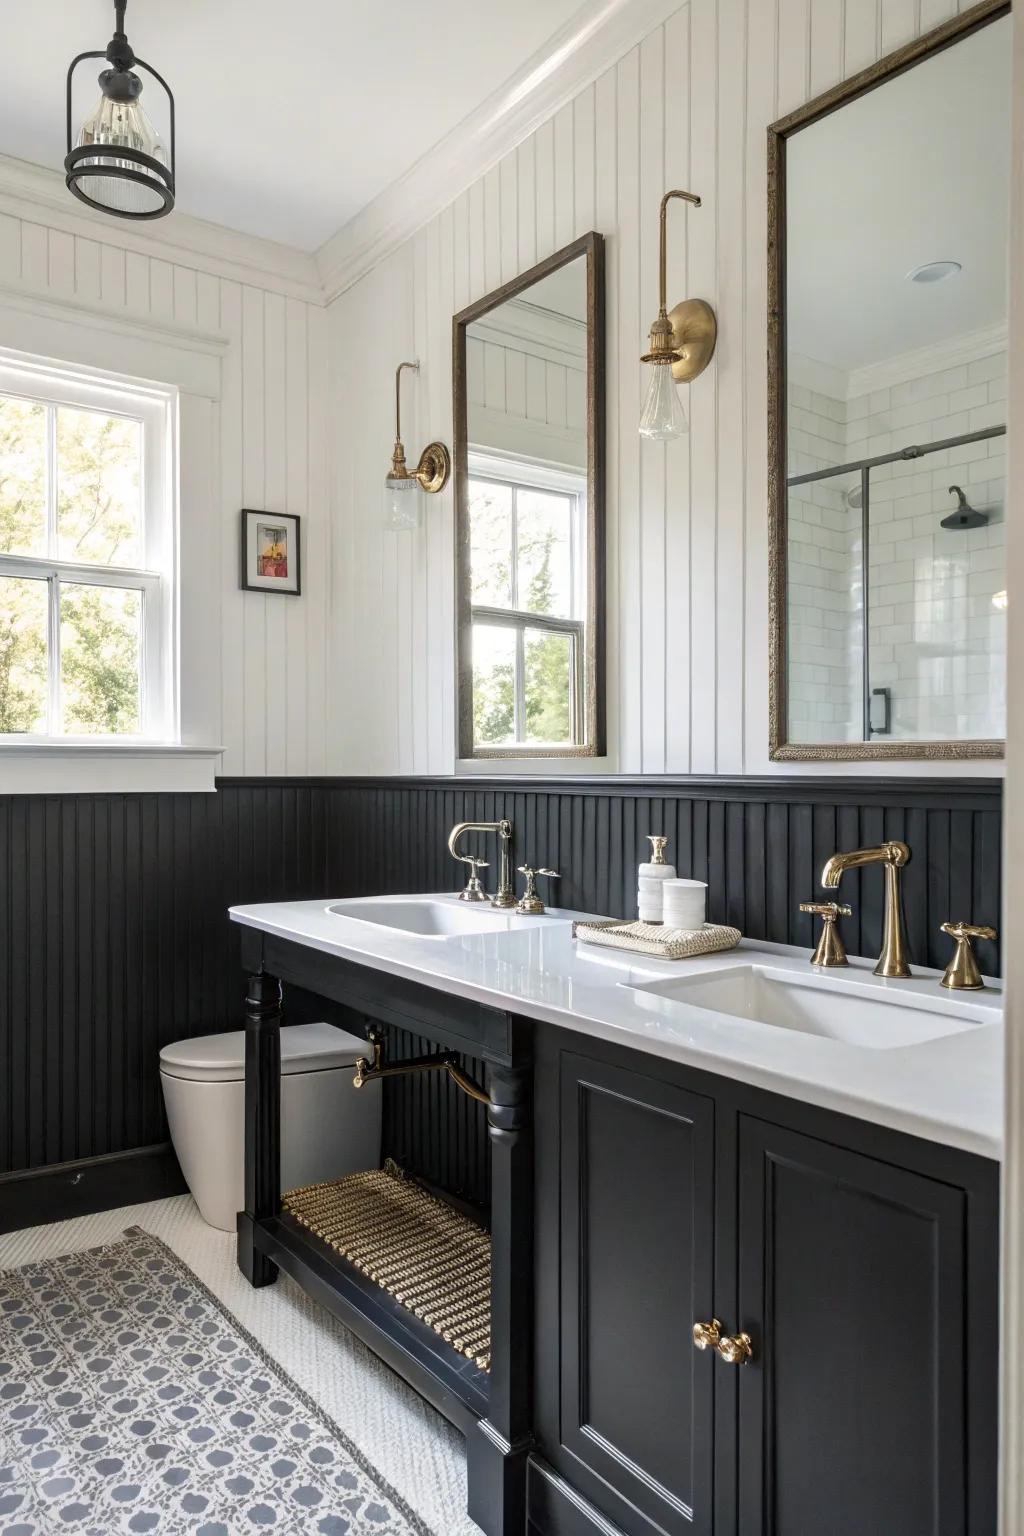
888,229
529,505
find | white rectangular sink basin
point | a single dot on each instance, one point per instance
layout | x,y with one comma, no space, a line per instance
431,917
854,1013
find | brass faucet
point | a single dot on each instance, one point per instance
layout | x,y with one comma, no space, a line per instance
504,896
893,959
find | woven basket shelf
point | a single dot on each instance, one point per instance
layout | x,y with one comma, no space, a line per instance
428,1256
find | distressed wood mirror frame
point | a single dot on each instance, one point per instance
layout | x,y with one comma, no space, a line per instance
590,246
780,748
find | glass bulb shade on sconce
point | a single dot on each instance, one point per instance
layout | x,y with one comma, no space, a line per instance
402,503
663,415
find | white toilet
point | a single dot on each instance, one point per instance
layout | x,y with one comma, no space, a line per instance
328,1127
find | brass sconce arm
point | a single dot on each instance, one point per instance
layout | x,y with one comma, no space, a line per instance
435,465
686,335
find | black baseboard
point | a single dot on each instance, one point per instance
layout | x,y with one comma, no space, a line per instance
42,1195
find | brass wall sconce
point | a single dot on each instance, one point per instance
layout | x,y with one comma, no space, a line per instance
682,345
401,504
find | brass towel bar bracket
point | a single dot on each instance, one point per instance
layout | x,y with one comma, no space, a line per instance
369,1071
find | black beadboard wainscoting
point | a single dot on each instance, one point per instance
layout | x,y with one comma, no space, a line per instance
114,938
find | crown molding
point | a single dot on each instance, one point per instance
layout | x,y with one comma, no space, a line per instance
525,327
38,194
935,358
594,38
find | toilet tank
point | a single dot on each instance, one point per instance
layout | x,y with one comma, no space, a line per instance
328,1127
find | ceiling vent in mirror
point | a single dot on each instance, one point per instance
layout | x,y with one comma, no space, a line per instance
118,162
934,271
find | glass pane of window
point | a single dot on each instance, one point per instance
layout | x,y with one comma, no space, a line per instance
494,673
544,548
22,477
490,540
548,685
99,498
99,659
23,685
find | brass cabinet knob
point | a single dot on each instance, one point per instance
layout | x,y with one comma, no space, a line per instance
962,973
737,1349
707,1335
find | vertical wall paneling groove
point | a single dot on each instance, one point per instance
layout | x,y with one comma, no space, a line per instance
114,937
687,523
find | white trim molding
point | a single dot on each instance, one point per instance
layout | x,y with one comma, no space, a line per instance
40,325
952,353
38,194
122,768
594,38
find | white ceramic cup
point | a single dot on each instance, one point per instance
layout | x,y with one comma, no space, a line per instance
685,903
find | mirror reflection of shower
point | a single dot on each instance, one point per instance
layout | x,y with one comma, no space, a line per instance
896,602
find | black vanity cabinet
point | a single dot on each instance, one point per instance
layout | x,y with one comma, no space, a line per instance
861,1264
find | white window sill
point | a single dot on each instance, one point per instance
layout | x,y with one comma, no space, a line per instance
532,765
106,767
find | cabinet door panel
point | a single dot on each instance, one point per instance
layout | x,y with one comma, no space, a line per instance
637,1195
852,1286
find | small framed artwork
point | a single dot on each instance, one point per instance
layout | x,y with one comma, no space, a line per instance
270,552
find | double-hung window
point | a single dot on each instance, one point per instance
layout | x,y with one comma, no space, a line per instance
87,556
527,529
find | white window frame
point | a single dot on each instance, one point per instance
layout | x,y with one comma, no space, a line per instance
155,407
509,470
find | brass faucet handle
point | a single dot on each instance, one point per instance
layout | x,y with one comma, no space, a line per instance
969,931
830,951
474,890
529,903
962,973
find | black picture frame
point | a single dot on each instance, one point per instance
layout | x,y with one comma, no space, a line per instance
250,580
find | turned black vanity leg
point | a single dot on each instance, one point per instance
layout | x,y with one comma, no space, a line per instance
262,1122
498,1449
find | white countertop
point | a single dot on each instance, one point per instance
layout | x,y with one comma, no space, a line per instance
948,1089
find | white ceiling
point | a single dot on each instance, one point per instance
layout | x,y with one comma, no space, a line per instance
269,141
915,171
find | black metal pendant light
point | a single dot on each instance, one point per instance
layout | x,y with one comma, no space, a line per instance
118,163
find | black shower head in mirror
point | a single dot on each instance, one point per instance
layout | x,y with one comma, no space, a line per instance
965,515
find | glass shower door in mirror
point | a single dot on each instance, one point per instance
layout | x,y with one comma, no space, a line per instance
889,548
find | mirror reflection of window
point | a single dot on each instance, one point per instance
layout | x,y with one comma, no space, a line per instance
896,302
526,514
527,532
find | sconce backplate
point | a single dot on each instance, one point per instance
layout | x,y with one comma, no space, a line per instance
694,333
434,468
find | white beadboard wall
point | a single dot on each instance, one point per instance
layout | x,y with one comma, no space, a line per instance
267,655
687,522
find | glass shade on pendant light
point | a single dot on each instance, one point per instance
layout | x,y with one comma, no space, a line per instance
663,415
122,125
118,162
